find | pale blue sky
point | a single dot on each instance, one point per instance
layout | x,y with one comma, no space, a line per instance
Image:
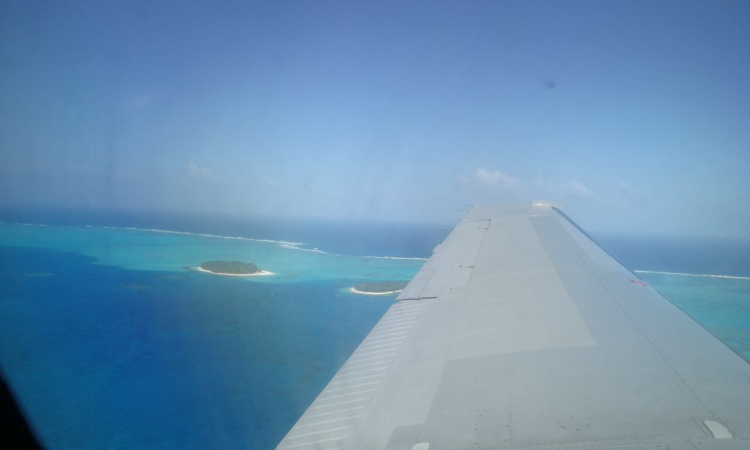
635,116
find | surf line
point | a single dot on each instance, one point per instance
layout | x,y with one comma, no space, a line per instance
730,277
283,244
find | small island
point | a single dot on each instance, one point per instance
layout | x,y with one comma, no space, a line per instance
379,288
232,268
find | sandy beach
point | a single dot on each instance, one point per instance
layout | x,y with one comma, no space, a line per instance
256,274
354,291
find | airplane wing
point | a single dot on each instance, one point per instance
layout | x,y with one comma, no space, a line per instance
521,333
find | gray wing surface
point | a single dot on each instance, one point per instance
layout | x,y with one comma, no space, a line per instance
521,333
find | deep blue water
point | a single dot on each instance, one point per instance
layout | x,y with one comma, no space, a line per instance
680,254
107,356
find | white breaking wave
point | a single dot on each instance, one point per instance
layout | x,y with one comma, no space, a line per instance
284,244
397,257
297,246
730,277
237,238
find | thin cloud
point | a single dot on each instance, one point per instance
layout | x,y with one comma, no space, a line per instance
571,190
574,188
496,180
197,172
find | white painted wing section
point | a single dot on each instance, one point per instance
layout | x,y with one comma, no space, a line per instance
521,333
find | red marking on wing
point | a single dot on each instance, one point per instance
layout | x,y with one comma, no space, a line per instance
638,282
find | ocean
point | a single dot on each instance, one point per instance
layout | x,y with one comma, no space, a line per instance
111,341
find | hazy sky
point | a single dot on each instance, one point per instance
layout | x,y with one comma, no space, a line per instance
635,116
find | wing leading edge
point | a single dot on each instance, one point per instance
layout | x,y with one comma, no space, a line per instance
520,332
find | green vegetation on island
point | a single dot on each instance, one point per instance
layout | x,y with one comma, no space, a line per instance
230,267
381,287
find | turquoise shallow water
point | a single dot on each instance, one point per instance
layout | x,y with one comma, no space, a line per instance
173,252
720,304
111,343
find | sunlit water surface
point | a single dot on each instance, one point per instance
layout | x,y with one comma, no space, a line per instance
111,341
